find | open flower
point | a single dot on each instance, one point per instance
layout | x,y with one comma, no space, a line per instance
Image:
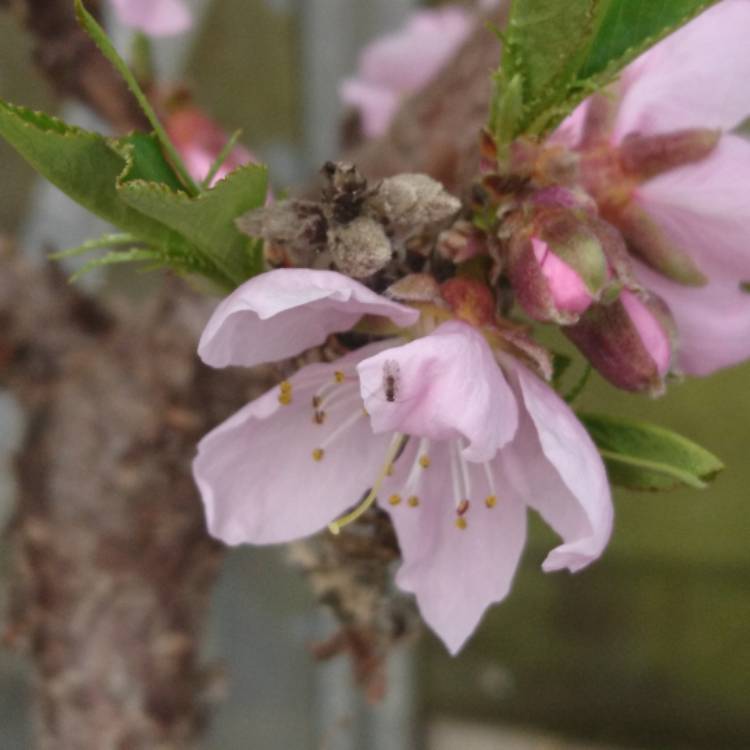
667,170
485,444
154,17
453,445
397,65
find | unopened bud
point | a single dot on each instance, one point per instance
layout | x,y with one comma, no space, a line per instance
359,248
628,341
559,269
407,201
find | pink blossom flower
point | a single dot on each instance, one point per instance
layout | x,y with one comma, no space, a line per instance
399,64
681,202
454,445
199,141
154,17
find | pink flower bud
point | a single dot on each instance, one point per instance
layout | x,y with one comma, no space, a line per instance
628,341
568,291
558,266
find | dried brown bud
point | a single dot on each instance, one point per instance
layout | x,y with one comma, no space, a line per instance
408,201
359,248
345,192
298,226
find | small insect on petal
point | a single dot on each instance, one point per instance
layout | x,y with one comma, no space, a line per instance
391,381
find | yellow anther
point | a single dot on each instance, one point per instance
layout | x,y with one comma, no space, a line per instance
394,499
365,412
339,376
318,454
413,501
490,501
285,393
319,417
461,523
424,461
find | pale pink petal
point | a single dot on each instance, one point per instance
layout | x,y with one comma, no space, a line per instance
704,208
454,573
283,312
397,65
445,386
570,131
256,473
695,78
557,470
567,288
655,339
154,17
713,321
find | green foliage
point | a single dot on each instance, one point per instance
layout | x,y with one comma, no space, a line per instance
560,52
102,41
79,163
128,182
644,456
208,219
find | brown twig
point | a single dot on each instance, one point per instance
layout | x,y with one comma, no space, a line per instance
72,63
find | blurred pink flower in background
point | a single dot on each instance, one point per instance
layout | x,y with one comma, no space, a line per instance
680,197
154,17
487,439
199,141
397,65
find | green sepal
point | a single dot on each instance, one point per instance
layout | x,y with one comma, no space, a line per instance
642,456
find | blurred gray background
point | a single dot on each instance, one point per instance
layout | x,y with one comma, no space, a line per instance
649,648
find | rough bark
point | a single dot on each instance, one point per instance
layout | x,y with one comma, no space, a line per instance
437,130
114,567
72,63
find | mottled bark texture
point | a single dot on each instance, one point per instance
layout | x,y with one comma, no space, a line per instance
114,567
437,130
73,64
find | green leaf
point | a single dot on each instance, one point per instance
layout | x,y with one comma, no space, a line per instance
145,159
564,51
79,163
88,168
97,33
220,159
644,456
106,240
208,220
122,256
